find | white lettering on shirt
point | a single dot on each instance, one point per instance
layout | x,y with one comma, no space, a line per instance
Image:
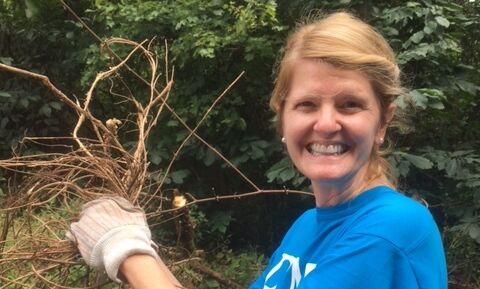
293,267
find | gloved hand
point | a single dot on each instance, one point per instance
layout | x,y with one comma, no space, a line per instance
111,229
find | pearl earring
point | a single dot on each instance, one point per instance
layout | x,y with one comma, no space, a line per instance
283,140
380,140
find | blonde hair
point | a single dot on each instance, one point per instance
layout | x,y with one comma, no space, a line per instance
347,42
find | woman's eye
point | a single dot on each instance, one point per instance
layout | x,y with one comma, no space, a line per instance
351,105
305,104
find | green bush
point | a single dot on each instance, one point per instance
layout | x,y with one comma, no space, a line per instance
210,43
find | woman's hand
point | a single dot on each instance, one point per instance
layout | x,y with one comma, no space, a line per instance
109,231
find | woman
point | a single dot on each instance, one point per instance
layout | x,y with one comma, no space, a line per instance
334,98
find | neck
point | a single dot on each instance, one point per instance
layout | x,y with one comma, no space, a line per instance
331,194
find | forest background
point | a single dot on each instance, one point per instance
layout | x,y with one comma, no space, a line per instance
210,42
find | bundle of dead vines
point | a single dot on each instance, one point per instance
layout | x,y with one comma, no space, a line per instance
46,190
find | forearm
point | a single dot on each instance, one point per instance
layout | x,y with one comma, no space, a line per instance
145,272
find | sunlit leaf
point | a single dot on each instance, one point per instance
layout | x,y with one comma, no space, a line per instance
442,21
418,161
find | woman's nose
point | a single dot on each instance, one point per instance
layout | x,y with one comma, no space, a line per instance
326,121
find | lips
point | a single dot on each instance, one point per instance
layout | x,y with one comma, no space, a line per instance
317,149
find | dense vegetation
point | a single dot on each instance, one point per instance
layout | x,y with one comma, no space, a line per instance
209,44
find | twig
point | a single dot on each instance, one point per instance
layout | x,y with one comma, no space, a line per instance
215,275
236,197
46,81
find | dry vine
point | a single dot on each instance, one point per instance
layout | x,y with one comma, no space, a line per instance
46,190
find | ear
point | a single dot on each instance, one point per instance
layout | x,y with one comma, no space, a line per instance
390,113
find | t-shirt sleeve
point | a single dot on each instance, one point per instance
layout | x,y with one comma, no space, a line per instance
362,261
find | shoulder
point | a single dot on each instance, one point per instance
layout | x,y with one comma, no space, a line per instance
396,218
397,208
303,223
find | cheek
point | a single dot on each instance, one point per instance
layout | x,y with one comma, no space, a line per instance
292,127
364,131
294,132
284,124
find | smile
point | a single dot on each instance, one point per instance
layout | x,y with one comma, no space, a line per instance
333,149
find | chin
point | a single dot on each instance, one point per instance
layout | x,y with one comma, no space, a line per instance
326,177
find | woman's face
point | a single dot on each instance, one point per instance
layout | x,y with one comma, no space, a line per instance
330,122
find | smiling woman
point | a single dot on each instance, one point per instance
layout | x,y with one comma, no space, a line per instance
334,99
345,43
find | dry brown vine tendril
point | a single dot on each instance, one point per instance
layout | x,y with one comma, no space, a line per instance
46,190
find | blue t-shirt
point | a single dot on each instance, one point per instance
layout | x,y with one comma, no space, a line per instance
379,240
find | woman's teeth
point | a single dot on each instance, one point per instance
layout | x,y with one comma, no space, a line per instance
318,149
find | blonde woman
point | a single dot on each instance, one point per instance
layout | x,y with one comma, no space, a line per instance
334,98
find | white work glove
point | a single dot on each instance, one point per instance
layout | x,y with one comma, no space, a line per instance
111,229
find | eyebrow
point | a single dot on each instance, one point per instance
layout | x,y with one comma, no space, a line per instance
347,93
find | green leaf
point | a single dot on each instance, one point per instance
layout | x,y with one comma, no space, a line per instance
154,158
24,102
474,232
56,105
218,12
209,158
46,111
242,124
5,94
417,37
468,87
6,60
239,160
390,31
172,123
436,105
462,153
427,30
451,168
257,153
31,8
419,99
432,25
220,221
412,4
178,176
403,168
442,21
273,171
418,161
401,101
4,122
473,183
212,283
286,174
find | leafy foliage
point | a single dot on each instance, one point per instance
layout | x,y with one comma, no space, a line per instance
443,151
210,43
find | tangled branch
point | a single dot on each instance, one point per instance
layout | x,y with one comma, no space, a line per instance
46,190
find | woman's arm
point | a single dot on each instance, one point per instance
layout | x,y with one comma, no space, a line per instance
145,272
